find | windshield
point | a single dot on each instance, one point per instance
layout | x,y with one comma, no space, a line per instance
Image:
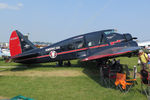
110,31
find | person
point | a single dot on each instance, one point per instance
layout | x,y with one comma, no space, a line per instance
148,60
143,57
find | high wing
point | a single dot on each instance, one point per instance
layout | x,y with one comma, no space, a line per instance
111,52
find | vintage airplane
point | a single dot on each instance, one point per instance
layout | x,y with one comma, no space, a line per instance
97,45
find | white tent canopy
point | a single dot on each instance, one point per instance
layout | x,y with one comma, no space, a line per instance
145,44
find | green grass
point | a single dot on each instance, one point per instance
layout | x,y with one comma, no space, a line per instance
3,63
130,62
62,88
83,87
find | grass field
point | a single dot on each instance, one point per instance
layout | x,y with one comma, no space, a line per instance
47,82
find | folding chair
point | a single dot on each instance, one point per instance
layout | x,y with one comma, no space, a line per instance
114,69
123,83
109,74
145,82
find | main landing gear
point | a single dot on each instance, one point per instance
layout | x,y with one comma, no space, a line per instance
60,63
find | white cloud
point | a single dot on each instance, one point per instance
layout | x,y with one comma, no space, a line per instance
20,5
6,6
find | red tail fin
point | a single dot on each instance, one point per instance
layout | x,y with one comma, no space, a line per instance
19,44
14,44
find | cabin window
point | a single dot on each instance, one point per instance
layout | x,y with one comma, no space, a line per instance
79,44
93,39
72,44
67,45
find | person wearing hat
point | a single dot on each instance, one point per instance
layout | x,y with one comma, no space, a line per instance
143,57
148,60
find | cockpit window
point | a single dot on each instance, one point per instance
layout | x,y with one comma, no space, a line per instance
128,37
109,31
114,36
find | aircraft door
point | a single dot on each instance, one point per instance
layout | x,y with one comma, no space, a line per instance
67,48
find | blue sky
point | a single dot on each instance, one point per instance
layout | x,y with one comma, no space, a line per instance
55,20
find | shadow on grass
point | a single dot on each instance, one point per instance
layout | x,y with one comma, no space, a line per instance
94,74
93,71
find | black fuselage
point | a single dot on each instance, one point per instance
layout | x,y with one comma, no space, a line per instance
78,47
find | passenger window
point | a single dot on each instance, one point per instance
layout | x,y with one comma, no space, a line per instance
90,44
67,45
93,39
79,44
71,46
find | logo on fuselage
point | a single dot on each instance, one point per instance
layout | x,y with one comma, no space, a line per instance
53,54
